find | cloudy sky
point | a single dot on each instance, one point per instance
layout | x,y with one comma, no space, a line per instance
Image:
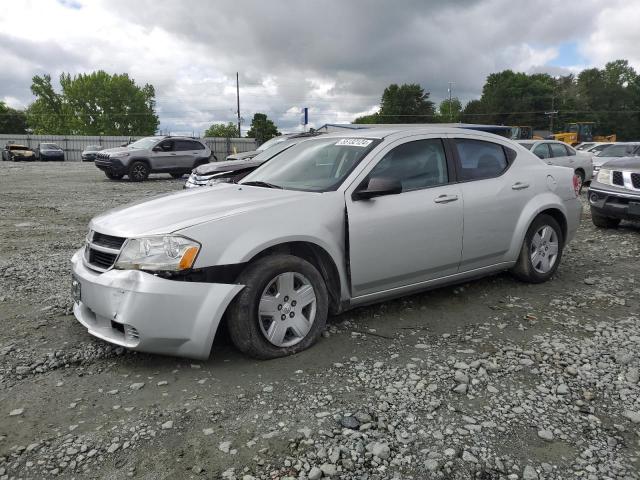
333,56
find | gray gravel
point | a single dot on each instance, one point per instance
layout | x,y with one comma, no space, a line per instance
492,379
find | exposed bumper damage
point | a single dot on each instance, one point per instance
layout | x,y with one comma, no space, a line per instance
144,312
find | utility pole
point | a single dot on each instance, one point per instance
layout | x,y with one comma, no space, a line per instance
451,84
238,98
551,114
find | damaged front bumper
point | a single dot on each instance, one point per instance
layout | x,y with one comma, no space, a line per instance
144,312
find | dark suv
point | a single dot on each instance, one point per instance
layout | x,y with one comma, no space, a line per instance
173,155
615,193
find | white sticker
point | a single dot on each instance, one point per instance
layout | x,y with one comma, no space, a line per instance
354,142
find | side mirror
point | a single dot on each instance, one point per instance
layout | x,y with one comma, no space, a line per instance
377,187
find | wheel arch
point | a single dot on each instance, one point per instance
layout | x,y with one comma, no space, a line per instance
319,258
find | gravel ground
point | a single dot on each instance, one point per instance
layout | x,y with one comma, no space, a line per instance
490,379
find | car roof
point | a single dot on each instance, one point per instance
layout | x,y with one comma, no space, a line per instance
382,133
527,142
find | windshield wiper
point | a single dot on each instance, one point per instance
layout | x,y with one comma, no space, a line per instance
259,183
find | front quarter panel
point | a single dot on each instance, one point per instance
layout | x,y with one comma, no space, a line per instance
317,218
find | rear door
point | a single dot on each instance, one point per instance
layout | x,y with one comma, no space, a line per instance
494,196
414,236
188,151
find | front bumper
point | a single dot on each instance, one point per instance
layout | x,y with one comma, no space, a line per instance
144,312
624,205
112,165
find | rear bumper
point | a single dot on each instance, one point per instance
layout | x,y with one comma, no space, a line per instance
622,205
147,313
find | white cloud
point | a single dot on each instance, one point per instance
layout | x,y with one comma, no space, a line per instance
335,57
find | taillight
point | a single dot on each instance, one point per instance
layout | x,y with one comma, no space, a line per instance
577,185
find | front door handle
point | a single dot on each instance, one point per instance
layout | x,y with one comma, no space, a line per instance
519,186
445,198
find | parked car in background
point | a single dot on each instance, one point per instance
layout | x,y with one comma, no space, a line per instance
234,170
90,152
335,222
593,147
563,155
17,153
614,195
613,152
46,152
161,154
270,143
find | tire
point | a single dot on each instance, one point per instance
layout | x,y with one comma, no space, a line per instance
177,175
581,175
138,171
248,330
540,268
603,221
113,176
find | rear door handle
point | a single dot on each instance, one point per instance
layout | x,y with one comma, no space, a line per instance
445,198
173,154
519,186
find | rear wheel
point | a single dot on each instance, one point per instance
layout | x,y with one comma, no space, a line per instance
603,221
112,176
282,309
138,171
541,251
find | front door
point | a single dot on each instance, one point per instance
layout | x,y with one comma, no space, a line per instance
411,237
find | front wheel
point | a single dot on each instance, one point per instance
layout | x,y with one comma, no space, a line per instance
282,309
138,171
541,251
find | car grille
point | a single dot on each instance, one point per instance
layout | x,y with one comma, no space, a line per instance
618,179
635,180
102,250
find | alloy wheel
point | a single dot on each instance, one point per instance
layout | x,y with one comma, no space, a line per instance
544,249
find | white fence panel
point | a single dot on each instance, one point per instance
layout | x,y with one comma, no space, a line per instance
73,145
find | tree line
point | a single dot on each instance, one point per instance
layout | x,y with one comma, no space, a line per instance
609,96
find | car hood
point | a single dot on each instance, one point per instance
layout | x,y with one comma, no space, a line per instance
228,166
243,155
22,153
624,163
599,161
175,211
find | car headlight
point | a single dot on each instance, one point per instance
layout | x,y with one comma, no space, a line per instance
213,181
604,176
158,253
119,154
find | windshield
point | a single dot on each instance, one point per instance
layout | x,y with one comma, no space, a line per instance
318,165
144,143
617,151
271,143
49,146
585,146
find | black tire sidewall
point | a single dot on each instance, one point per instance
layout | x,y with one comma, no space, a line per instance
243,323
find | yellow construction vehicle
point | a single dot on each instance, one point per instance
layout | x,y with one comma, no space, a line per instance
578,132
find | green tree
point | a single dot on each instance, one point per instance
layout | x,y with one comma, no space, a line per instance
262,128
230,130
12,120
450,111
373,118
407,103
92,104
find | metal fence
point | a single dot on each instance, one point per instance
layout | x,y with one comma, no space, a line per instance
73,145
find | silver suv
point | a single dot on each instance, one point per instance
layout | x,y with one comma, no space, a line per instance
335,222
173,155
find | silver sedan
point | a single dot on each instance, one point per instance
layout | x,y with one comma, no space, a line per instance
332,223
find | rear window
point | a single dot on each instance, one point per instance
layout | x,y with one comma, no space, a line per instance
479,159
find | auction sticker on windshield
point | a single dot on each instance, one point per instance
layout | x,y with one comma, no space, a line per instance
355,142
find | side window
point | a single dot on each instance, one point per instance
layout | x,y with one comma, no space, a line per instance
419,164
479,159
196,145
542,151
166,146
557,150
570,151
